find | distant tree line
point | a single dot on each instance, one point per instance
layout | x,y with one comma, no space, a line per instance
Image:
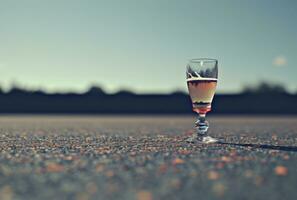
265,88
261,99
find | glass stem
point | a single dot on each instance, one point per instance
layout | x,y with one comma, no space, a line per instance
202,125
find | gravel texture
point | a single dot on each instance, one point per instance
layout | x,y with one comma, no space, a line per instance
146,158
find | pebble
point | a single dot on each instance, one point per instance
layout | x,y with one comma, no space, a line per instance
54,167
144,195
213,175
281,170
178,161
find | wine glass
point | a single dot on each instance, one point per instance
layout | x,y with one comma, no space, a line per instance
202,76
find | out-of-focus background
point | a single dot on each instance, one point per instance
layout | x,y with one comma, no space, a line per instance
130,56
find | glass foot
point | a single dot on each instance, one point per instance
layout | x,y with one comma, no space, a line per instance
203,139
208,140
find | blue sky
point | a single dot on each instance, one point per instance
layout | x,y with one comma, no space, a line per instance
145,45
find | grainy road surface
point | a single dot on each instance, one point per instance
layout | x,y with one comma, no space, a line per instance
146,158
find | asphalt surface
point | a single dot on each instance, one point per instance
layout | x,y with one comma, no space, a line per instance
146,158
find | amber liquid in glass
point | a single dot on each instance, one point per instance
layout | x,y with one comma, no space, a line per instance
202,91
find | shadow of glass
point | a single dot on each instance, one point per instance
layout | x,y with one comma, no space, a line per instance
265,146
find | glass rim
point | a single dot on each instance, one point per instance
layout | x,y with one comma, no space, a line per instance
198,60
